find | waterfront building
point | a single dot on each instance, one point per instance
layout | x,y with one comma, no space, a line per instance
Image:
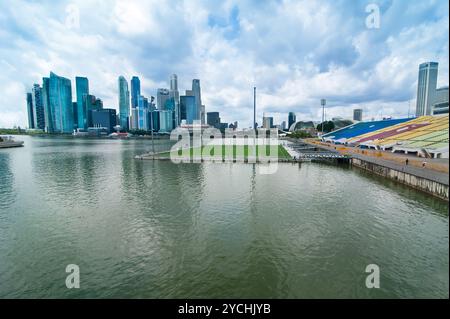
46,104
357,115
30,111
426,88
188,108
38,107
202,114
135,91
213,119
291,119
142,113
196,91
82,89
153,117
124,103
134,118
89,104
104,118
283,126
75,112
60,104
440,105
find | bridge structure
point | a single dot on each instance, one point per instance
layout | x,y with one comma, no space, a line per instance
304,151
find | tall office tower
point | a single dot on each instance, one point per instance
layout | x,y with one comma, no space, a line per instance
188,109
283,125
60,100
104,118
357,115
202,114
166,121
291,119
267,122
30,110
142,113
135,91
162,96
46,104
426,88
198,98
75,112
124,103
38,107
213,119
440,104
175,95
91,103
82,88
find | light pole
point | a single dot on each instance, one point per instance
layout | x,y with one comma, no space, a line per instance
323,102
254,107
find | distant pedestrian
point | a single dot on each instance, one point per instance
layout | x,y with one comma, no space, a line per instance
406,162
423,164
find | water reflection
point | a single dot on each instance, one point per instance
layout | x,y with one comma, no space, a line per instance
7,193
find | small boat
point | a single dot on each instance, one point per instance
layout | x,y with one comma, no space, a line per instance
8,141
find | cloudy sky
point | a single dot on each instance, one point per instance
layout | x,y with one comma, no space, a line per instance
294,52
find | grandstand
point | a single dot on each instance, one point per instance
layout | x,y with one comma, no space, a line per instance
341,136
425,136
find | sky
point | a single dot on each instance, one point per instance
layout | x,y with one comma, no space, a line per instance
294,52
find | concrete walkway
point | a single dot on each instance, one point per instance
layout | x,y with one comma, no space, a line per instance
429,174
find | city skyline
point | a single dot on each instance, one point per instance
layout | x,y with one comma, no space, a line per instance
357,67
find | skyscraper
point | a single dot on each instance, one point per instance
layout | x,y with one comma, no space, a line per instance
135,91
175,95
198,98
162,96
188,108
291,119
426,88
46,104
82,88
213,119
357,115
60,101
267,122
124,103
38,107
30,110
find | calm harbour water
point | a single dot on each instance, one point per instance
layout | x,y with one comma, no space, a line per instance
150,229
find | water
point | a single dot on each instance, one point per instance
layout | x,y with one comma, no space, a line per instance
150,229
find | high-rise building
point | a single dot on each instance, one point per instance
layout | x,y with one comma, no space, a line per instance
357,115
75,112
291,119
46,104
267,122
440,104
135,91
166,121
196,91
283,126
30,111
82,88
188,108
162,96
91,103
38,107
143,114
60,104
202,114
426,88
104,118
124,103
213,119
175,95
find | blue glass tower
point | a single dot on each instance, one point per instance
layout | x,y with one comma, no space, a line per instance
124,103
188,109
60,100
82,87
46,104
135,91
30,110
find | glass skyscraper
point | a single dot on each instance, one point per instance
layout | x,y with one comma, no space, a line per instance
135,91
188,108
175,95
38,108
46,104
162,95
198,98
30,110
426,88
60,101
124,103
82,88
291,119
